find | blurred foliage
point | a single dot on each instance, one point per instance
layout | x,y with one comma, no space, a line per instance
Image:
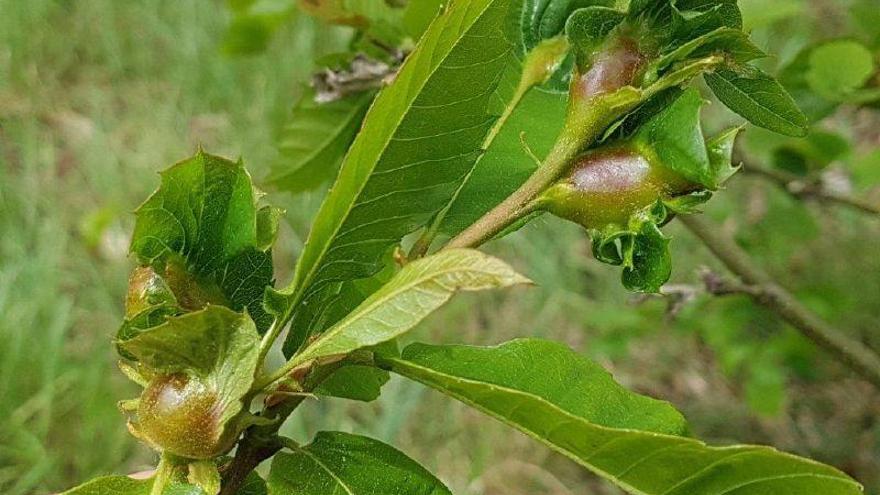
95,96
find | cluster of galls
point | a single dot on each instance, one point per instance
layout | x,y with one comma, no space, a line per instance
177,413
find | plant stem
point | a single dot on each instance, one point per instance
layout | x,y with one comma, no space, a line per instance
267,341
538,66
766,292
163,475
801,188
587,118
262,442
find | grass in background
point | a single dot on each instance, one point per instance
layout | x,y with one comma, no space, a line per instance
97,96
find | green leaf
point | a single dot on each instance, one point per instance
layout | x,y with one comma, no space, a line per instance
542,19
650,260
760,99
588,28
414,293
720,150
268,219
417,16
727,41
205,475
675,139
199,231
123,485
418,143
341,463
315,139
362,383
215,343
574,407
839,68
534,125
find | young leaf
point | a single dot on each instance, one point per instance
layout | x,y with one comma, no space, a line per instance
418,143
587,29
760,99
676,139
414,293
199,232
123,485
361,383
650,262
315,139
573,407
216,344
342,463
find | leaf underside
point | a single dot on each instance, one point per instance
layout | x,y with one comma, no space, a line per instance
565,402
414,293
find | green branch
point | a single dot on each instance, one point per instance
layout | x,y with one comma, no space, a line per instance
766,292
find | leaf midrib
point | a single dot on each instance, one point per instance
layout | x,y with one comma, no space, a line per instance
323,466
379,301
391,362
301,285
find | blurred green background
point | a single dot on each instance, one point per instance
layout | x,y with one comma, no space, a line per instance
98,95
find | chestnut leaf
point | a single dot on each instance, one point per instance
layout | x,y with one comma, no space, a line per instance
315,139
760,99
204,234
415,292
418,143
337,462
575,408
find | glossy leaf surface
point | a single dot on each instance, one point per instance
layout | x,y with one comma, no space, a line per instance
760,99
341,463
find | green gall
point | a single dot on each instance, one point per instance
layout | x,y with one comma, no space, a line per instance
181,415
615,66
607,186
146,289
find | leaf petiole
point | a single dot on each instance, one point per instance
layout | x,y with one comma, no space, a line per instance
164,472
